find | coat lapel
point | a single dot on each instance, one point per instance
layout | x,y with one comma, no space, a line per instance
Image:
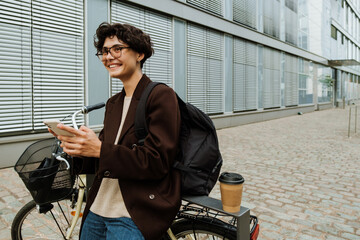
130,117
114,113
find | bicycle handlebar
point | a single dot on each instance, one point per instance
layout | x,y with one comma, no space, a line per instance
87,109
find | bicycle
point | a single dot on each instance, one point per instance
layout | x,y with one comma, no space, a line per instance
58,198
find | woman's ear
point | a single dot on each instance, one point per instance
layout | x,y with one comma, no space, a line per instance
140,57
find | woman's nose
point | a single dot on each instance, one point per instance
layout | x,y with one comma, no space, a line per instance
109,56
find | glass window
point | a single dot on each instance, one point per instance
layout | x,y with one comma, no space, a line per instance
244,75
291,80
205,61
325,84
291,23
333,32
271,78
271,18
244,11
43,76
305,83
214,6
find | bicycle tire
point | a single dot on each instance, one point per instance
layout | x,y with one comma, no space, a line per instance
30,224
204,228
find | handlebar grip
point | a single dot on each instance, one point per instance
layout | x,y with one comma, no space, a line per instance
87,109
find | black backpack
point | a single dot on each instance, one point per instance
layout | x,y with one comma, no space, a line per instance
199,158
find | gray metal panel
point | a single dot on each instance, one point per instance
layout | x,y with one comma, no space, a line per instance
97,76
180,58
229,49
338,85
228,9
260,77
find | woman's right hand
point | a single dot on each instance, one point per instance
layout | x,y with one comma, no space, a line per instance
84,142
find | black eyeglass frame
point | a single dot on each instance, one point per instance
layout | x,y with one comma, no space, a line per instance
101,55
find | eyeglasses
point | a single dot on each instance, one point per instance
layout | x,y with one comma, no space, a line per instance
115,51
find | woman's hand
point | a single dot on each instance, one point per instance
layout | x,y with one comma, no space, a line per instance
85,142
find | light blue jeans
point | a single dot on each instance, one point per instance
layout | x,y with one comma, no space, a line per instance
101,228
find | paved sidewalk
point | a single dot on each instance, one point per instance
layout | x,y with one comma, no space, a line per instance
302,176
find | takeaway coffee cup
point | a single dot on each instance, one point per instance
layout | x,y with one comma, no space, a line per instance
231,187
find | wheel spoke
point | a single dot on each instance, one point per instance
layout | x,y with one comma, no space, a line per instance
57,224
30,224
63,213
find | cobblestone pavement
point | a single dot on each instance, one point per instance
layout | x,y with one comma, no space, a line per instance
302,176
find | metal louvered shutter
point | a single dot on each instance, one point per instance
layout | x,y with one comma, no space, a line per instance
244,11
159,66
271,9
244,75
215,6
42,76
291,23
305,82
15,66
215,50
205,49
57,59
291,80
271,81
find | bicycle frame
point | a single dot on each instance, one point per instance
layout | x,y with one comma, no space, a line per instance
79,202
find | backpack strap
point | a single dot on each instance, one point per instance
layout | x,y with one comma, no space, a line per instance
141,129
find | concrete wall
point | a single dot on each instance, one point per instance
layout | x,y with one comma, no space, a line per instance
324,106
237,119
11,148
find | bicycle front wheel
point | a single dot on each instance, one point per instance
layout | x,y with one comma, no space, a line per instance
207,228
51,224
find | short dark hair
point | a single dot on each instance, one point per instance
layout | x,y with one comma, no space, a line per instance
134,37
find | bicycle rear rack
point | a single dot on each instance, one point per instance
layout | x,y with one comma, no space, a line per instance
242,217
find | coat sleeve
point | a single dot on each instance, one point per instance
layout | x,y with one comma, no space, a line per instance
155,158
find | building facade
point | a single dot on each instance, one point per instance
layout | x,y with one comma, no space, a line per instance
240,61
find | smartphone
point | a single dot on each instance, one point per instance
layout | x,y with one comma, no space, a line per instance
52,124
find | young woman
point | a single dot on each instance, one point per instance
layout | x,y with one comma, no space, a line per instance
136,192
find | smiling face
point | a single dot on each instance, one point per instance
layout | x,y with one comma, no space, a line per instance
124,67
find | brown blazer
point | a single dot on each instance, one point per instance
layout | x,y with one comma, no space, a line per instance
149,185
